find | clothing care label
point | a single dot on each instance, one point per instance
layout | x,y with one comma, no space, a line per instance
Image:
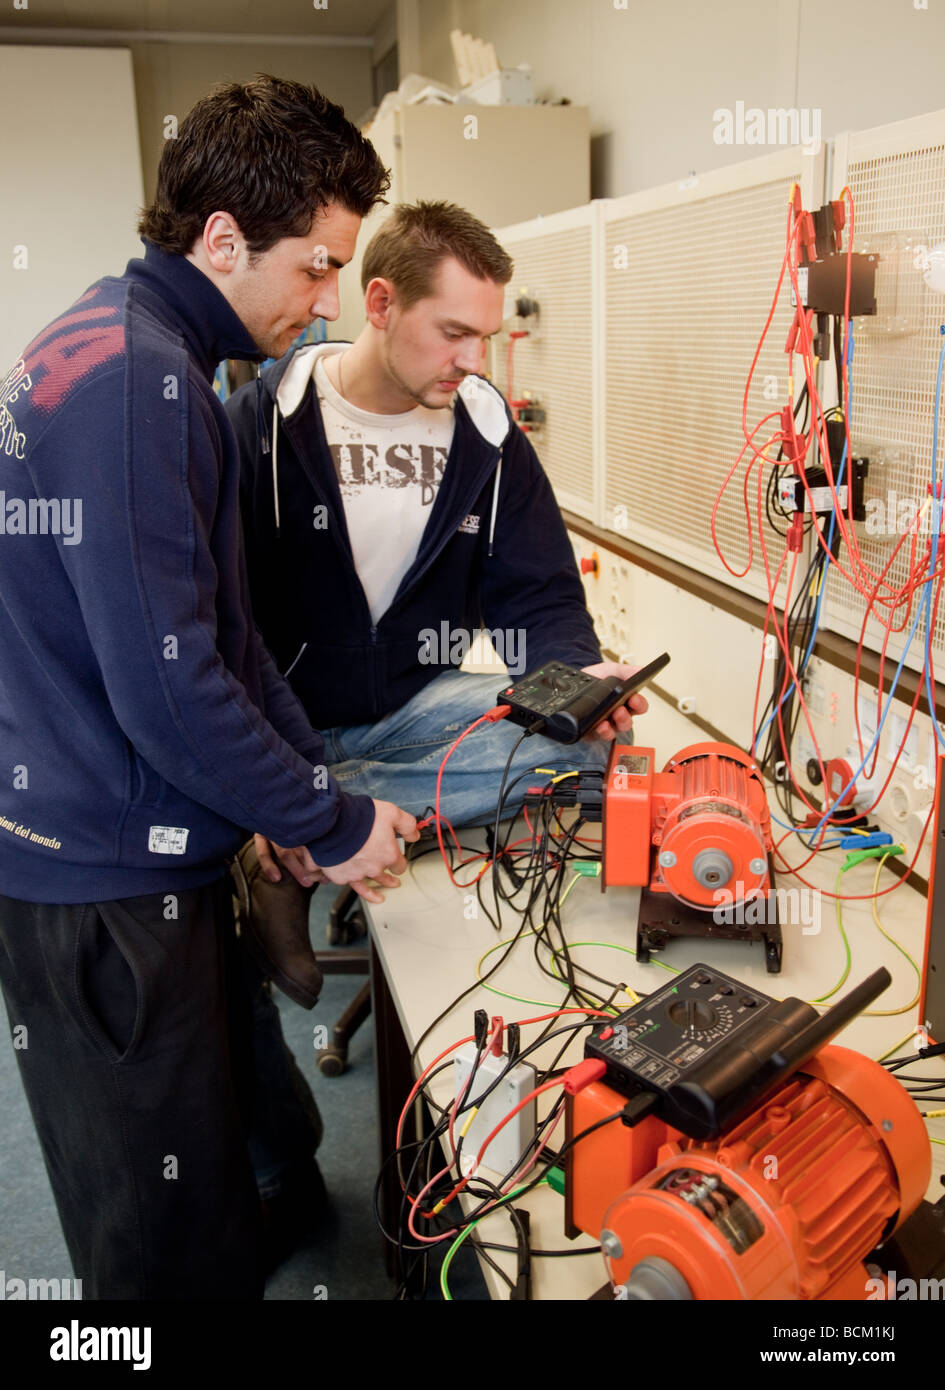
389,469
167,839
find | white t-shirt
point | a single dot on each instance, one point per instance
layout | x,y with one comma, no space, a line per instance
389,469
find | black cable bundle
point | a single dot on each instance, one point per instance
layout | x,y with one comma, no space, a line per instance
532,886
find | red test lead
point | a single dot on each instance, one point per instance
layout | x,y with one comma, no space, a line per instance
591,1069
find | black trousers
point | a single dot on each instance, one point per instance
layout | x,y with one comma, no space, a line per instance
138,1071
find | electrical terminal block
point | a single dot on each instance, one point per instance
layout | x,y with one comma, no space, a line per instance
489,1110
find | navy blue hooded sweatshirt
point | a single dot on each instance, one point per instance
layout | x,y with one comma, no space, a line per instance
495,553
143,725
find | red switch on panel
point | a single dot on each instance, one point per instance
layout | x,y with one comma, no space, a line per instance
840,775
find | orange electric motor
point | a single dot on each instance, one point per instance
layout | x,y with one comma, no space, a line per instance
696,840
786,1204
705,816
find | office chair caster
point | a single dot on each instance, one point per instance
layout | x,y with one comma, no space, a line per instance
333,1060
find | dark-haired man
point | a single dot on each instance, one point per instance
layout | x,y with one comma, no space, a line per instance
398,484
143,725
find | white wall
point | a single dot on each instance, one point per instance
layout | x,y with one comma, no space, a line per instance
654,73
384,34
71,175
171,77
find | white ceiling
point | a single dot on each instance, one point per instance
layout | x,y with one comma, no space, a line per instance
339,17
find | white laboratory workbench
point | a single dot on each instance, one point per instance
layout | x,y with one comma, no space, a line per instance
426,945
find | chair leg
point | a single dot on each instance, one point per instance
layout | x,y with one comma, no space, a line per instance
346,921
332,1060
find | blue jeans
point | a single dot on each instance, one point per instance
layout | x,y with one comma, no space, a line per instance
397,759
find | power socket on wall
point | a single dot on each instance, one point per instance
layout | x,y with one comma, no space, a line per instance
706,643
905,804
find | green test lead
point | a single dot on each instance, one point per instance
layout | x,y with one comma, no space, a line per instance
856,856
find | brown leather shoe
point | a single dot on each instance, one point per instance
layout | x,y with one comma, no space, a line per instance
273,921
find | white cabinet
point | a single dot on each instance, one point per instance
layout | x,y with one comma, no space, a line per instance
504,163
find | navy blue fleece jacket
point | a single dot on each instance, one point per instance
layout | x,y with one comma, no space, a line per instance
143,725
494,555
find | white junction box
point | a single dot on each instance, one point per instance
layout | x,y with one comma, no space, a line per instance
505,87
510,1143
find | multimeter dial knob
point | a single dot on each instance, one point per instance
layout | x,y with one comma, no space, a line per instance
694,1015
